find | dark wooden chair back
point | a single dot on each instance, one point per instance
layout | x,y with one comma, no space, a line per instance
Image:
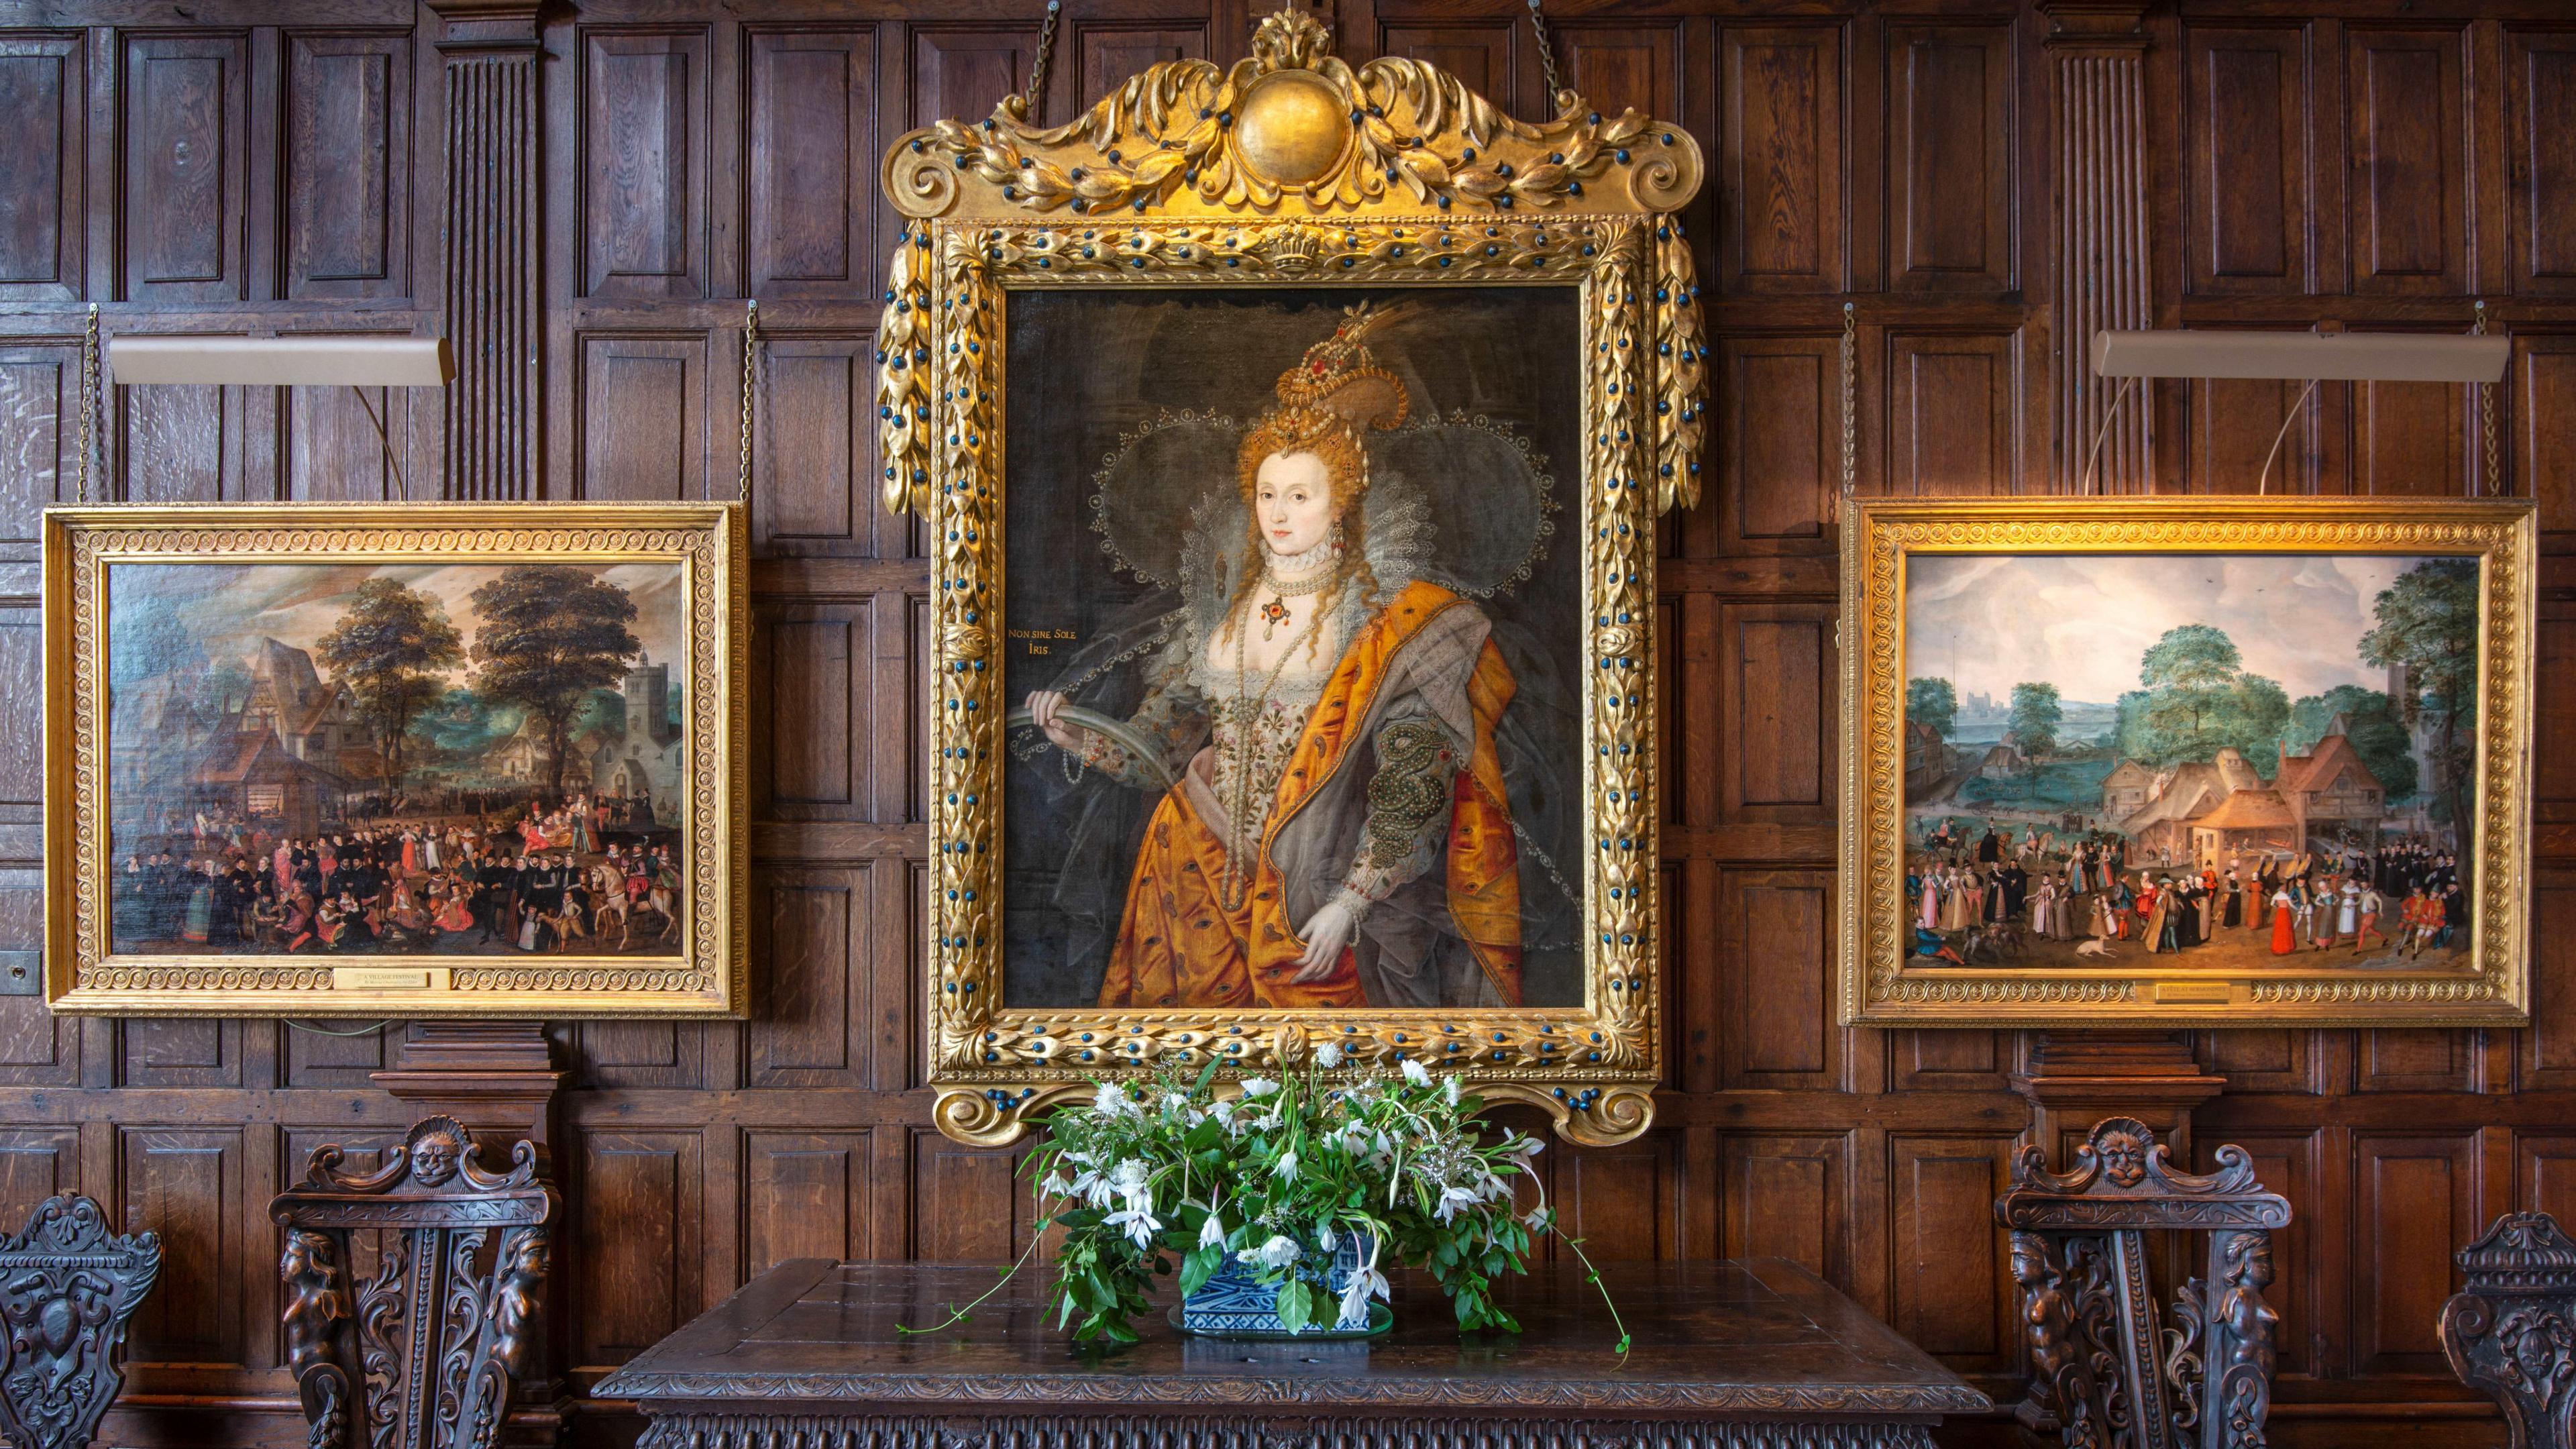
424,1353
2100,1363
2510,1332
68,1287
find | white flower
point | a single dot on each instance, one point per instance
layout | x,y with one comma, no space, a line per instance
1175,1101
1259,1086
1329,1055
1526,1147
1538,1218
1366,1283
1139,1221
1212,1232
1416,1073
1449,1089
1286,1166
1279,1252
1453,1198
1324,1238
1112,1101
1057,1184
1128,1176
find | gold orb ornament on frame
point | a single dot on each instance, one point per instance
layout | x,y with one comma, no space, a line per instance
1293,128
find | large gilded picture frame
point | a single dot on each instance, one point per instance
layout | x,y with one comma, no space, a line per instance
1103,344
2186,761
399,761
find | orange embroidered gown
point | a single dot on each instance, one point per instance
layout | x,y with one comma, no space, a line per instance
1180,945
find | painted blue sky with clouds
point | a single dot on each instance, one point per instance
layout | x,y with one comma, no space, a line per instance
2082,622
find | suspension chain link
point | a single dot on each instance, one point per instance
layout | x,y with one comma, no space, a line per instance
1032,99
89,390
1850,348
750,378
2489,478
1546,56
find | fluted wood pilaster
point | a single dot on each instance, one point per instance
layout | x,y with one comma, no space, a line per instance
2098,237
491,257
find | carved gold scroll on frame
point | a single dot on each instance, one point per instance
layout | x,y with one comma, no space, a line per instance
395,760
1291,437
2187,761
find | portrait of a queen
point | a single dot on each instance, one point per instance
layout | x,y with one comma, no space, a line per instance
1317,731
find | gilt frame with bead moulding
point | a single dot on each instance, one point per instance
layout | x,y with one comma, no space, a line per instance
214,678
1389,189
2271,659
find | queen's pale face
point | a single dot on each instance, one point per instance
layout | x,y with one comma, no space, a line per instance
1293,499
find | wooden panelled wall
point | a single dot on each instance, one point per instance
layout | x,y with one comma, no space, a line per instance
580,197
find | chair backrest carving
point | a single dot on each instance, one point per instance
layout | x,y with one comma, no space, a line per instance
2102,1370
424,1353
68,1287
2510,1332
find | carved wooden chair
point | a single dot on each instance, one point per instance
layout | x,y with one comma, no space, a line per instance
2101,1371
424,1353
68,1287
2510,1332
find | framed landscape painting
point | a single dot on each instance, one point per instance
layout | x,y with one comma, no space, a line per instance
1293,580
399,761
2195,760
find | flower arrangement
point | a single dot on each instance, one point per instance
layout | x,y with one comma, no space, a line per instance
1276,1182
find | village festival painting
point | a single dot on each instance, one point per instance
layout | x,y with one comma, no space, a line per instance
342,759
2209,765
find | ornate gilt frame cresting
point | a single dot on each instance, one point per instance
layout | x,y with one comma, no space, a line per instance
705,976
1292,168
1881,984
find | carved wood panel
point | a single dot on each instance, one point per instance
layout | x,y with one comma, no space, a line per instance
813,143
1951,161
42,80
2410,163
1782,205
2540,181
2246,189
644,162
2416,1197
186,166
345,182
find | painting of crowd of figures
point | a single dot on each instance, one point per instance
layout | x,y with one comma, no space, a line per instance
333,759
2223,759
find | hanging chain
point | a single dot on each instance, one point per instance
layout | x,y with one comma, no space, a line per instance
1851,392
2487,480
1546,55
89,428
750,376
1035,96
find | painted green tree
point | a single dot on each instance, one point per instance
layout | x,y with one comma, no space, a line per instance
549,634
2196,699
390,650
2370,722
1932,702
2036,714
2428,624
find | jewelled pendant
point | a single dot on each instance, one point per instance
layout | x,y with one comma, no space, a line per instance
1273,614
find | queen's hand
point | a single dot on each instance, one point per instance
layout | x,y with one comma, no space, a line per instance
1042,712
1326,932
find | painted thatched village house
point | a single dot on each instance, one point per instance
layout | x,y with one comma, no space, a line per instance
2201,812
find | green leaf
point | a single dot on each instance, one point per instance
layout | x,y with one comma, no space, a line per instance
1206,1075
1295,1305
1200,1266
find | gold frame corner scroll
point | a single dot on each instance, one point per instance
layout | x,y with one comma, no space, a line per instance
705,974
1292,168
1882,979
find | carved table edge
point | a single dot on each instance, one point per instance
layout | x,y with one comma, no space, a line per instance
668,1393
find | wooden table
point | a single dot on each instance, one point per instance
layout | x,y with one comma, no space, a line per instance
1752,1354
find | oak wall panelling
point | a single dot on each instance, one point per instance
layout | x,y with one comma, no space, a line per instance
580,197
